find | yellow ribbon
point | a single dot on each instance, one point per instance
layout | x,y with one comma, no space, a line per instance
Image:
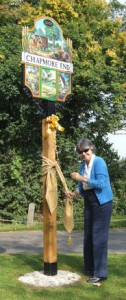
53,124
49,167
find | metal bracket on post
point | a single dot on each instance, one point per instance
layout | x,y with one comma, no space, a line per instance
50,269
48,108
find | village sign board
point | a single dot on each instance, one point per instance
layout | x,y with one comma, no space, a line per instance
47,60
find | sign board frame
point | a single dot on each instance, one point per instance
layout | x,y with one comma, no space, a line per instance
47,59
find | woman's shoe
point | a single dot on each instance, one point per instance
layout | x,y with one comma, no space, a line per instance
96,279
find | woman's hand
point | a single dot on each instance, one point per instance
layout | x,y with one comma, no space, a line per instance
71,194
68,194
76,176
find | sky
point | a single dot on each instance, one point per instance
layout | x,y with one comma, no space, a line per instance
119,143
121,1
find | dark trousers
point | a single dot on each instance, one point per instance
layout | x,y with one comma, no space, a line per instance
96,229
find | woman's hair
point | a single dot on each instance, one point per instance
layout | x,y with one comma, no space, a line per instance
85,144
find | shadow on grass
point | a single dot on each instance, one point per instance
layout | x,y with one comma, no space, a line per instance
27,263
13,266
73,263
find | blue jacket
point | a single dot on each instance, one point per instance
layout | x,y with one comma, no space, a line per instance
99,180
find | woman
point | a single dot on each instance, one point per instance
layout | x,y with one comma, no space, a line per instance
94,186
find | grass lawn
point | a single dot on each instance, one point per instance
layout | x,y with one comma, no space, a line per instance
13,266
116,222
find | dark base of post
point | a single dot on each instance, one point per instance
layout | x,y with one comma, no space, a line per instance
50,269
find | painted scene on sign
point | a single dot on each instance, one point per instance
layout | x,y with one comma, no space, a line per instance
32,79
64,85
48,84
46,39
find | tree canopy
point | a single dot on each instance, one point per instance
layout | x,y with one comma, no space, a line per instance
97,104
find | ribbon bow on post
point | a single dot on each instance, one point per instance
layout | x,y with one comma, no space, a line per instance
53,124
49,168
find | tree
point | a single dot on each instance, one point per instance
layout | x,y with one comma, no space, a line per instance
20,125
96,107
99,54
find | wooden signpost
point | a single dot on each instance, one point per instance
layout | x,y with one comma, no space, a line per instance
47,59
49,220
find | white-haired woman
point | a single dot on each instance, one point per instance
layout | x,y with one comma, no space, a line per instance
94,186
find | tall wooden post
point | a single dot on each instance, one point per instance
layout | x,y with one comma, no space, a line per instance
49,221
41,68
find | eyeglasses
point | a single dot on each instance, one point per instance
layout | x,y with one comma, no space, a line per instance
85,150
